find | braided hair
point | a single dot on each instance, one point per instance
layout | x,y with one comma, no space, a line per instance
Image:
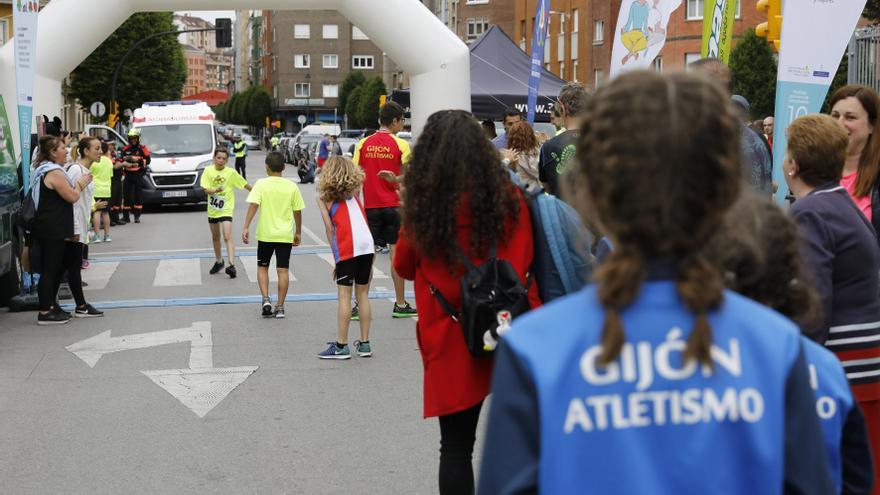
658,166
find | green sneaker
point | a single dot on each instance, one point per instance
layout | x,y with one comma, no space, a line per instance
405,311
363,348
333,352
355,314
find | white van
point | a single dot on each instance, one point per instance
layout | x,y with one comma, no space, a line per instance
181,139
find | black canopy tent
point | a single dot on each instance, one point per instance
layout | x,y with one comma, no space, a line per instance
500,79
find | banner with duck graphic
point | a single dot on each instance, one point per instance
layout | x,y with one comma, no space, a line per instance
640,33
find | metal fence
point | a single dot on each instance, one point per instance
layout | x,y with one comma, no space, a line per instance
864,57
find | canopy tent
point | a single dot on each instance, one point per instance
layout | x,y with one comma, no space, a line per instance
500,79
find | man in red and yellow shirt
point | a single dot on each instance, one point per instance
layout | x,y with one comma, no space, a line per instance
383,156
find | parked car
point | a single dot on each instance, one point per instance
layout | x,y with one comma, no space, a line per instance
352,133
347,144
251,142
306,139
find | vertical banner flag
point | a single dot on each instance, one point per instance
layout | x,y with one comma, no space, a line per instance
24,16
718,18
539,37
640,33
814,36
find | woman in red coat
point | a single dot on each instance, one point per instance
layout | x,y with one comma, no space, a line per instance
458,198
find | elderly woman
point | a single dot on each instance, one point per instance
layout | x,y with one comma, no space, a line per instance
843,257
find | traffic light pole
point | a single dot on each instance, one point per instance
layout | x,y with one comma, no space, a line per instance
112,105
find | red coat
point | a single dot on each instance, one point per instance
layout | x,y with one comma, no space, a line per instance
455,380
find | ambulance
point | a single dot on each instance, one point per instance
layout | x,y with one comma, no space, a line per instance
181,139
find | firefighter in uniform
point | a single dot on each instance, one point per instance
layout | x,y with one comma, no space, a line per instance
115,187
239,148
135,157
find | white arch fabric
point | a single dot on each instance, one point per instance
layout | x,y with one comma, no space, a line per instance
406,30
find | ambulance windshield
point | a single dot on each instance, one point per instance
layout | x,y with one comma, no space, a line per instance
178,140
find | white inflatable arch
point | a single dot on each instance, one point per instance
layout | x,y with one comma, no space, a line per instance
69,30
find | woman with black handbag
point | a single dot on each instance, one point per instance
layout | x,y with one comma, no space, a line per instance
458,201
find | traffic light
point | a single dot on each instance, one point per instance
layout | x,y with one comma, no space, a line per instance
113,117
772,29
224,33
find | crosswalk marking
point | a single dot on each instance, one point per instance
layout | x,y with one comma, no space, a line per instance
250,266
328,257
98,275
314,237
173,272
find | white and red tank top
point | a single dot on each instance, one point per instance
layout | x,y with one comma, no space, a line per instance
353,236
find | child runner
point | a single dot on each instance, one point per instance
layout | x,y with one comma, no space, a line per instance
219,184
348,233
278,229
102,173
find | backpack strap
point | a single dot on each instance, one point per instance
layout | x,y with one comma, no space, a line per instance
447,307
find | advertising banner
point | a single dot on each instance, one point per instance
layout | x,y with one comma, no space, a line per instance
814,36
640,33
24,17
718,17
539,37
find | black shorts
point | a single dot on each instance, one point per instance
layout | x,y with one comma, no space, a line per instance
219,219
281,250
357,270
384,224
106,208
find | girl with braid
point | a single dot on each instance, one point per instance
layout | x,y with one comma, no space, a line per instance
654,379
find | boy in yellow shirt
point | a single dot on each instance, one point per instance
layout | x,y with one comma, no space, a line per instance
219,184
278,228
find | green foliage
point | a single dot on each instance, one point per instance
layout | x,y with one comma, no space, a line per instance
243,112
754,69
260,106
156,71
352,104
368,106
248,108
840,80
219,112
352,81
872,10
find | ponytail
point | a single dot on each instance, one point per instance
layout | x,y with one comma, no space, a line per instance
619,280
701,287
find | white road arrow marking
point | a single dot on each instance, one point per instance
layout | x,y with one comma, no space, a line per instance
200,387
92,349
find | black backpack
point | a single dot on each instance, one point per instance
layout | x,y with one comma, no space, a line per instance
492,295
28,213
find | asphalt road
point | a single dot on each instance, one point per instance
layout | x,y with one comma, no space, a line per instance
173,403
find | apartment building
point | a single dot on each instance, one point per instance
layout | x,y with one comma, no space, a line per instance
469,19
214,68
196,65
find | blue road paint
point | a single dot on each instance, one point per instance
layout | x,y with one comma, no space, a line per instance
190,256
207,301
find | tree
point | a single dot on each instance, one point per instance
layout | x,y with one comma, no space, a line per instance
351,107
368,106
156,71
219,112
872,10
260,106
754,70
352,81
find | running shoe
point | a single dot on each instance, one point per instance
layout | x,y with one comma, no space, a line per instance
217,267
53,317
230,270
405,311
107,238
95,239
355,313
279,312
267,308
87,311
333,352
137,220
363,348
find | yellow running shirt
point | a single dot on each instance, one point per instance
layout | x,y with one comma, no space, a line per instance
222,204
102,174
278,199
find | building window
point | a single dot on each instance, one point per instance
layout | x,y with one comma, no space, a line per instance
331,91
275,92
273,35
738,9
331,61
476,2
574,70
301,31
575,20
331,32
657,64
598,32
522,43
562,70
560,48
362,62
547,49
301,61
562,23
694,10
357,34
275,63
598,77
574,45
4,30
476,27
301,90
690,57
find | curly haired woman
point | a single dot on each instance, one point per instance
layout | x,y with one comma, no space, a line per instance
619,388
458,201
349,235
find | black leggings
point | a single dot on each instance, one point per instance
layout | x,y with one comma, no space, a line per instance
51,270
458,432
73,258
241,166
